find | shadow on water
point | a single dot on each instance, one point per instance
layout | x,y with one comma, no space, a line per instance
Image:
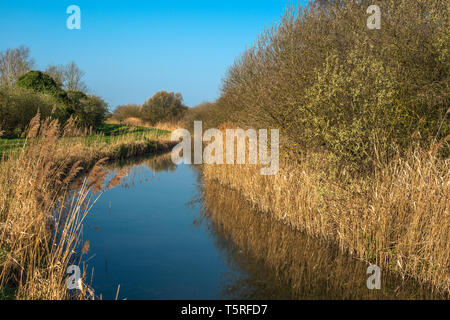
162,233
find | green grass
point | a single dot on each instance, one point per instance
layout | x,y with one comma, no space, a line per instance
6,145
8,293
107,133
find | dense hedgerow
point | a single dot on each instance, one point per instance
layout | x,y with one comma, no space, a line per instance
331,84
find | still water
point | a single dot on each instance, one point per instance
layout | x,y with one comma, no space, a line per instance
161,232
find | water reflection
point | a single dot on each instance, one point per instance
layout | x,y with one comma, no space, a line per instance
280,263
162,233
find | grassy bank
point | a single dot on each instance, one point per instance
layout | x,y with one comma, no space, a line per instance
40,218
106,135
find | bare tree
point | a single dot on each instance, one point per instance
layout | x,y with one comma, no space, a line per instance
67,76
13,64
72,78
57,73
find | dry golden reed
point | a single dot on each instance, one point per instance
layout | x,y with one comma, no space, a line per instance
298,266
399,219
40,214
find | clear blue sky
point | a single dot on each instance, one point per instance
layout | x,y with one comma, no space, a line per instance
132,49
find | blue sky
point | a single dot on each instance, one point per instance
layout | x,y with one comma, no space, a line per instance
132,49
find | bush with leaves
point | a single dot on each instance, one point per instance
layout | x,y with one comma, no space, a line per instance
121,113
332,85
18,106
90,111
163,106
38,81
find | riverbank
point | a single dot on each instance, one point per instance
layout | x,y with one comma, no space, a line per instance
40,223
302,267
397,219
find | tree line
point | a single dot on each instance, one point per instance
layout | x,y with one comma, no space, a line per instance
334,87
163,106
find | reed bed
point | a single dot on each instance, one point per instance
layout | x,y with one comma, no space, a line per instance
398,219
40,214
295,266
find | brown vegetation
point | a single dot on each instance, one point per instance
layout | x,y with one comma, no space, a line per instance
295,266
40,217
399,219
363,118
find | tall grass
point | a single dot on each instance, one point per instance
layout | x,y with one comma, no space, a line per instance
363,119
298,266
40,216
39,230
399,219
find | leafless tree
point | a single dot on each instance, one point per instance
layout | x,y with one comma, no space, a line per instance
72,78
13,64
67,76
57,73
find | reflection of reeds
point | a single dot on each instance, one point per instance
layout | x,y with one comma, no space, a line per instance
127,172
398,219
279,262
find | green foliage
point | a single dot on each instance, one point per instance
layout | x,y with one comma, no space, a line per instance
163,106
38,91
7,145
40,82
106,133
90,111
332,85
8,293
18,106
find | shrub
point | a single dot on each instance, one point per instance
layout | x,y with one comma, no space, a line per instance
18,106
42,83
91,111
126,111
163,106
331,84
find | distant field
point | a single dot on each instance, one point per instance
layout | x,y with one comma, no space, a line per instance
108,133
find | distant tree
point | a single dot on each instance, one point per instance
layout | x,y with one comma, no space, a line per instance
13,64
72,78
67,76
124,112
91,112
163,106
